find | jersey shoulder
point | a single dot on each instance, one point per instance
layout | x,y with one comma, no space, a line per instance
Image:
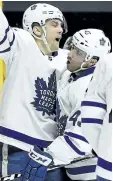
23,35
106,66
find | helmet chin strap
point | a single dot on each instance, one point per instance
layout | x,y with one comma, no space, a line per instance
45,40
81,68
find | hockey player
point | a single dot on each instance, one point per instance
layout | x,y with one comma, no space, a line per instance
97,117
88,46
33,63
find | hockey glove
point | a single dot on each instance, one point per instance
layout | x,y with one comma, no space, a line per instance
36,168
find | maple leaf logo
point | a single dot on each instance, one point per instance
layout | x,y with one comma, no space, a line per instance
102,42
61,121
33,7
45,100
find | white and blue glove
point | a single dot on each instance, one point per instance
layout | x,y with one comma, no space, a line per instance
36,167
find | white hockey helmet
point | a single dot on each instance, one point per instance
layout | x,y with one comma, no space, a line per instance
93,42
39,13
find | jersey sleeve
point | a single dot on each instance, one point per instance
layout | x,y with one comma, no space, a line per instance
71,146
94,106
7,38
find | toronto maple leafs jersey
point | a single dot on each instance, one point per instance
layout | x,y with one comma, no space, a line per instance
71,144
27,111
97,116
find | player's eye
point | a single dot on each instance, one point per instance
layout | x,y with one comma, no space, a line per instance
72,47
80,52
54,23
57,22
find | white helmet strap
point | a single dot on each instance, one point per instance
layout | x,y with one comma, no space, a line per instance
44,38
81,68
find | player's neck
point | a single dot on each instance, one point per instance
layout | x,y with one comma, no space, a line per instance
42,47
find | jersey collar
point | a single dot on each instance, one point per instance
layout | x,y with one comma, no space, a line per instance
74,77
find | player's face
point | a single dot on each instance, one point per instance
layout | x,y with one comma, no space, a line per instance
75,59
54,32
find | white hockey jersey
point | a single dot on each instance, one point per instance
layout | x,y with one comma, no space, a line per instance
27,111
71,143
96,116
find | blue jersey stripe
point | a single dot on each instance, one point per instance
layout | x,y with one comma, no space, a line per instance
102,179
94,104
24,138
5,37
81,170
85,73
92,120
104,164
10,43
76,136
6,50
69,142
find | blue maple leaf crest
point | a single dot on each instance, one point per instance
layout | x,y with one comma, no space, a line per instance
61,121
45,100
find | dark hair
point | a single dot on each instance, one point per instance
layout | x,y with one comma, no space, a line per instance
35,24
95,57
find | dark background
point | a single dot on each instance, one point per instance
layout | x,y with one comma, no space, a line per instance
79,14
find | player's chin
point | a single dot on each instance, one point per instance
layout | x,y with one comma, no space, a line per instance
69,67
55,48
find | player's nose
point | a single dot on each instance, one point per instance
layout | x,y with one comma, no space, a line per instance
60,29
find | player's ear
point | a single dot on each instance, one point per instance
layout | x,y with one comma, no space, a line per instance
92,62
37,30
